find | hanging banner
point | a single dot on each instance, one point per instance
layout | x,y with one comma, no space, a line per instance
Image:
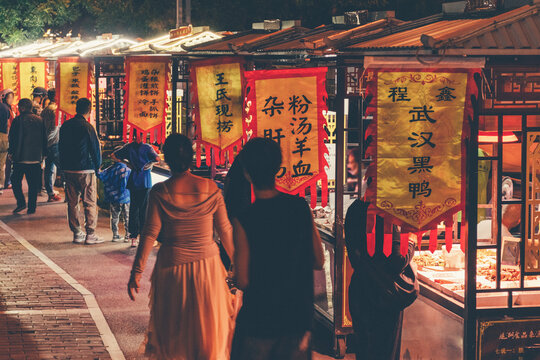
288,107
147,79
217,107
73,81
33,73
10,76
420,120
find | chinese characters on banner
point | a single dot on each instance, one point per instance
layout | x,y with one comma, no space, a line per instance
217,100
287,106
10,76
73,79
146,97
32,73
418,170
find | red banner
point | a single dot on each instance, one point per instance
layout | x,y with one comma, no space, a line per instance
145,108
217,107
10,77
416,142
33,72
287,106
73,81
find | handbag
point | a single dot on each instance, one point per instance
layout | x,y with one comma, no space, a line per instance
389,291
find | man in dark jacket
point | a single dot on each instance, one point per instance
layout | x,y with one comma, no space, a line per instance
80,159
27,148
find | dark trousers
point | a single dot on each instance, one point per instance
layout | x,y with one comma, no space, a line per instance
377,332
8,169
137,210
51,164
32,172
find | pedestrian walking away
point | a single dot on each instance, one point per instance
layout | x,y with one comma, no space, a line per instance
115,179
52,162
27,148
377,317
80,159
6,116
139,157
277,248
191,310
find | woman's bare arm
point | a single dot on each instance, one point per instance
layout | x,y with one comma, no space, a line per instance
149,235
223,227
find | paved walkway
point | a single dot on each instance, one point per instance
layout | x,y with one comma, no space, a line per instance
44,312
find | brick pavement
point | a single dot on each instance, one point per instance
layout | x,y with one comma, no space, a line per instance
41,315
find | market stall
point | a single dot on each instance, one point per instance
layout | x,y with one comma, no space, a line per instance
479,279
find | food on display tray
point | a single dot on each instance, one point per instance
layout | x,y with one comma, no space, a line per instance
428,259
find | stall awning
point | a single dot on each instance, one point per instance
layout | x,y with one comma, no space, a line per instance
516,32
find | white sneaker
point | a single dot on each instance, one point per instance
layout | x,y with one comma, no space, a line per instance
79,238
93,239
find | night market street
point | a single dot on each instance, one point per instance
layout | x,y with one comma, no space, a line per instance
53,294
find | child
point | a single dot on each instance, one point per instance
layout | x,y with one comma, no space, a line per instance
140,158
115,179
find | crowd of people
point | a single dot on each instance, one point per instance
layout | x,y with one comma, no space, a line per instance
273,245
26,131
270,245
274,248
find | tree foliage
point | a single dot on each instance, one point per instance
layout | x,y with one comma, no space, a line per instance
25,20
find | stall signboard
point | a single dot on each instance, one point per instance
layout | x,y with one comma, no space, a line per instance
416,141
33,73
217,107
147,79
509,339
288,106
73,81
10,76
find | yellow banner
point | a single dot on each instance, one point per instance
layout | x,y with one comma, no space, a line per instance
32,73
10,77
419,143
147,83
287,113
219,95
71,83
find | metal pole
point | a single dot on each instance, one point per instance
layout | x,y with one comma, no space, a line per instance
177,14
469,339
188,12
174,103
339,250
96,95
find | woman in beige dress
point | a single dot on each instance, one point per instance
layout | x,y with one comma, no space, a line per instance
191,312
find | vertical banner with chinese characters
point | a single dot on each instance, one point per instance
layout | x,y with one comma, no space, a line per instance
288,107
73,81
217,106
147,79
10,76
420,119
33,73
